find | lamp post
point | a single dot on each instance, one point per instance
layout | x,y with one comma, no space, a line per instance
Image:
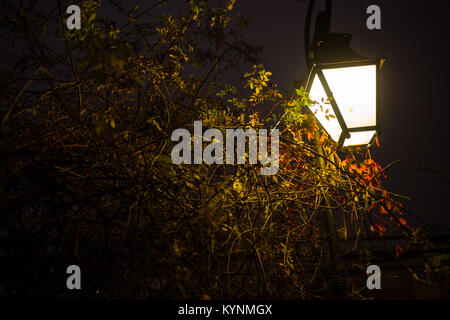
344,88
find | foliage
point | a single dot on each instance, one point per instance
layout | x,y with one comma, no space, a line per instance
87,179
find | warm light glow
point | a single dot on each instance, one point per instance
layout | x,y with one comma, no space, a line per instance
331,125
359,138
354,89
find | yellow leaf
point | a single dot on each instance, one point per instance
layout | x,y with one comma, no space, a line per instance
230,5
237,186
190,185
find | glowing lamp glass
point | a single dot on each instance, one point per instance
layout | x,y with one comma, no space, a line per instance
350,114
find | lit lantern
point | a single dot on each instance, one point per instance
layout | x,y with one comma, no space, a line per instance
344,89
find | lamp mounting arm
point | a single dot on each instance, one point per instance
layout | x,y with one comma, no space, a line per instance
322,27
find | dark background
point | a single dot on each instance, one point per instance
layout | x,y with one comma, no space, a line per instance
414,84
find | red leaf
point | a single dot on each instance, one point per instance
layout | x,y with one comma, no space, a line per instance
402,221
398,250
378,228
376,141
310,135
322,138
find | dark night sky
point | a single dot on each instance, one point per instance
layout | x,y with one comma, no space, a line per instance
414,83
414,80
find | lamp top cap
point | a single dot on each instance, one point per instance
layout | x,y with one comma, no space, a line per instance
334,47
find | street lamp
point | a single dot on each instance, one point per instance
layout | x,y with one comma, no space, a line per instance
343,86
344,89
